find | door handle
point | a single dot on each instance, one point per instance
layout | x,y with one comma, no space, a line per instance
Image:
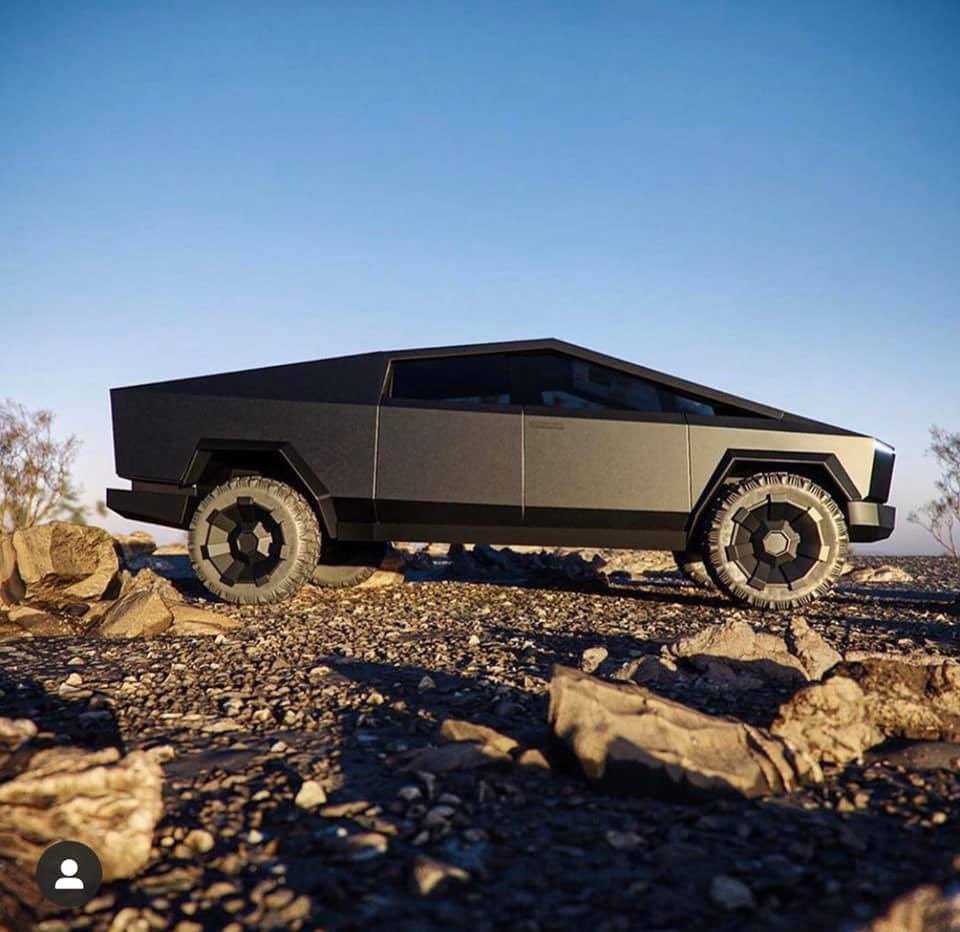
546,425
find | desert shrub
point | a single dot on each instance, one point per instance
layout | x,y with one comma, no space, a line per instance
35,483
941,515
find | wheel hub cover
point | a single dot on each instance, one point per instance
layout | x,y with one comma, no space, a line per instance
775,542
244,542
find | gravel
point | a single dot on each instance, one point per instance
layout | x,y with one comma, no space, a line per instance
287,805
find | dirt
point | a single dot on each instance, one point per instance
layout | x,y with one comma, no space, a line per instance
339,687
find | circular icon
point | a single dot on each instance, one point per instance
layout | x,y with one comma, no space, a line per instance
69,873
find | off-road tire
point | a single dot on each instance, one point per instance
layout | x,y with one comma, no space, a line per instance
344,564
775,541
690,564
254,541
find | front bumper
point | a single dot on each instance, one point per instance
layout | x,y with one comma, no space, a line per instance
171,507
870,521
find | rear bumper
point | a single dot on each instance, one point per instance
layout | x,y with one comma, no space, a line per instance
869,521
171,508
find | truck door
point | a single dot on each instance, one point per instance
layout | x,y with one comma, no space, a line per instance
605,461
449,450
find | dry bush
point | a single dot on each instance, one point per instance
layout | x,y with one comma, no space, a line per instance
941,516
35,483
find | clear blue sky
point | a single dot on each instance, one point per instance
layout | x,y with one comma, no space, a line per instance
763,197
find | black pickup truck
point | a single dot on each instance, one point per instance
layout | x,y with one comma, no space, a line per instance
304,470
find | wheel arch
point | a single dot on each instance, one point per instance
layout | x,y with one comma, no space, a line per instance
823,468
215,461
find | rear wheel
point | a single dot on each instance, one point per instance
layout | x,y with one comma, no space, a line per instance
775,541
690,564
347,563
254,540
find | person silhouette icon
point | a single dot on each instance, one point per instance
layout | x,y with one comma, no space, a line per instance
69,873
68,879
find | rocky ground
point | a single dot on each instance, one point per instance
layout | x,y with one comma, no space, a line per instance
287,802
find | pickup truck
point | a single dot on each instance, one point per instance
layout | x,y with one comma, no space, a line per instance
293,472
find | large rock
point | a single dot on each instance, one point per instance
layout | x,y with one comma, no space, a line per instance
189,619
134,615
59,565
629,738
830,720
12,588
38,623
814,653
135,544
909,700
863,703
744,650
106,801
146,580
879,574
924,909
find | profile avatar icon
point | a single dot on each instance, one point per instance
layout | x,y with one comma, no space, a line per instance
68,879
69,873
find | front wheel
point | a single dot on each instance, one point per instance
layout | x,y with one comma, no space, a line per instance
254,540
775,541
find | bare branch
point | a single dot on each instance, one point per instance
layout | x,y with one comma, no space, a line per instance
941,516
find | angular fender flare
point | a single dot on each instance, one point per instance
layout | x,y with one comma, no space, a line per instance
772,459
207,448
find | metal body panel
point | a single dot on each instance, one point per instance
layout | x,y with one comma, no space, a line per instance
448,457
708,444
624,464
161,431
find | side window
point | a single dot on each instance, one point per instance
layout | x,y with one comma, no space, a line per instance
467,379
564,382
687,405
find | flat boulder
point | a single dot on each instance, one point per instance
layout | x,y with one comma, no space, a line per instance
628,738
59,565
745,650
134,615
100,798
879,574
38,623
192,620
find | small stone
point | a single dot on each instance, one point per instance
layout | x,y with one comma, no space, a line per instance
409,793
438,815
591,658
473,641
74,679
731,893
311,794
366,845
623,841
534,758
429,873
278,747
426,684
199,840
254,837
938,818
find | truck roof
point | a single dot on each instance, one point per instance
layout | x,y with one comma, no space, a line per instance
359,378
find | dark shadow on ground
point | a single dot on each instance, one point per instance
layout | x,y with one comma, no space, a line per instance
546,858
